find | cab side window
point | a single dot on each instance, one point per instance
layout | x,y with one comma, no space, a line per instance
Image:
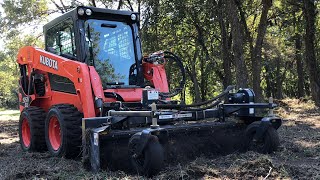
60,39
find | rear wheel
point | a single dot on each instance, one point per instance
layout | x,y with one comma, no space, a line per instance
31,129
63,131
267,144
151,161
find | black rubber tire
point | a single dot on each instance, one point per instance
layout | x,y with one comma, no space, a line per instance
269,143
36,118
70,123
152,160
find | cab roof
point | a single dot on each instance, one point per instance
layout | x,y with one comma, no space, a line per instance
97,13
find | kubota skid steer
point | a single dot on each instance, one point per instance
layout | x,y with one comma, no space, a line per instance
91,90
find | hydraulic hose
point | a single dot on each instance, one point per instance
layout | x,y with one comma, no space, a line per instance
183,106
203,108
170,56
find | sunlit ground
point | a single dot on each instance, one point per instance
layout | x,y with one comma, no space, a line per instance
8,126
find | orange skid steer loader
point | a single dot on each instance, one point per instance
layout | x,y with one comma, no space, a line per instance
91,89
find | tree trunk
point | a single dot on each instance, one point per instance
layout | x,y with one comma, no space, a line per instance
206,62
197,97
278,79
237,39
93,3
120,4
227,78
139,12
307,86
193,76
202,79
130,5
298,46
256,53
311,62
268,81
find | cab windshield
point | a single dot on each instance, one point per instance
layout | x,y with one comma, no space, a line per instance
110,48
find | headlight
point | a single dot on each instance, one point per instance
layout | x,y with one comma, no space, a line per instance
81,11
88,12
133,17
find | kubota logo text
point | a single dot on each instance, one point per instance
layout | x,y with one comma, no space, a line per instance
49,62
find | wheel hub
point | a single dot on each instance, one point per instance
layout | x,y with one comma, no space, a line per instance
54,133
26,137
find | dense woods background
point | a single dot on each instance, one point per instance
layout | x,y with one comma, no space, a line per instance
269,45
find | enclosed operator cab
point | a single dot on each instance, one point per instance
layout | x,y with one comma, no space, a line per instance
103,38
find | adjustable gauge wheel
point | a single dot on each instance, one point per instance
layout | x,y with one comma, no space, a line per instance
268,143
151,160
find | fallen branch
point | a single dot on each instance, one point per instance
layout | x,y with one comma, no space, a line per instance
268,174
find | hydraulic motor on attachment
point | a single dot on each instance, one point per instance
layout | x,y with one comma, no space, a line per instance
91,91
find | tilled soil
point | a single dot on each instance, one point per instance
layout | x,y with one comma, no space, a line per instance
297,158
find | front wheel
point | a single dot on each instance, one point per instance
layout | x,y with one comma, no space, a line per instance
267,144
151,161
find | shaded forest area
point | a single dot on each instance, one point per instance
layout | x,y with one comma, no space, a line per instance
269,45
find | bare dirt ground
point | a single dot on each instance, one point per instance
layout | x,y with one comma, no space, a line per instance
297,158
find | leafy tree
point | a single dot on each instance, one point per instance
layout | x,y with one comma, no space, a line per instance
22,13
9,72
269,45
309,10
